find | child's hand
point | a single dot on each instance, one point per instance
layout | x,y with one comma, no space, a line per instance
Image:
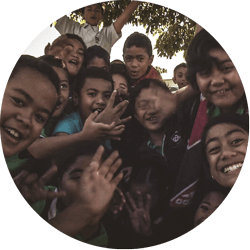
140,215
32,188
96,131
112,114
97,185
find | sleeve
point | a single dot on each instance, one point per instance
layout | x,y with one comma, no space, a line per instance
65,126
65,25
109,37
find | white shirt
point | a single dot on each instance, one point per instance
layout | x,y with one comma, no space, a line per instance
90,34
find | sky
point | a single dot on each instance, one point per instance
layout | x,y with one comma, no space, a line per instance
36,47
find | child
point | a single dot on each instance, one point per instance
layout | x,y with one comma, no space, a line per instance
70,48
212,72
85,177
180,72
207,199
224,142
90,32
96,56
29,100
138,57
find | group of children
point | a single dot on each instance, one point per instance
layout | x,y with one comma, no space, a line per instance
105,152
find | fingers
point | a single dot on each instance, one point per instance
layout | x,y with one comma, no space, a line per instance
113,169
125,120
140,200
92,116
95,163
104,168
120,107
112,99
47,176
131,201
148,202
117,179
53,195
20,177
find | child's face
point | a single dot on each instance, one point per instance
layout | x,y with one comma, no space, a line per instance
222,86
180,77
93,14
73,56
28,102
226,146
94,96
120,83
64,91
99,63
137,61
208,205
70,179
153,107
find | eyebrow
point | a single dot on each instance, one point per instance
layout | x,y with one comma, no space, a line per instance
30,99
227,134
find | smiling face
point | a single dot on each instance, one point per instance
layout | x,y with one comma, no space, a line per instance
73,56
153,107
28,102
137,61
64,91
222,86
94,95
93,14
226,146
120,83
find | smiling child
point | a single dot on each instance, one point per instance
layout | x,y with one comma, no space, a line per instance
29,100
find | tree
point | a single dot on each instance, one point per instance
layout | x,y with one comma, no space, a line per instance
174,30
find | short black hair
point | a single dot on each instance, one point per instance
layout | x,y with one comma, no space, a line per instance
100,4
78,38
181,65
92,72
146,84
198,59
96,51
229,118
27,61
140,41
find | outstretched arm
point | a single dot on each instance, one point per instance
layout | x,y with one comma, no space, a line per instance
123,18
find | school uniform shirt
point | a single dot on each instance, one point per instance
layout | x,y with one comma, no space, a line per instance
70,124
151,73
91,35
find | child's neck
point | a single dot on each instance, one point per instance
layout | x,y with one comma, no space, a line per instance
157,137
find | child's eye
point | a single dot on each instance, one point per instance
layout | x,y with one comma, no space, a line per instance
140,59
107,96
92,94
40,118
204,208
64,86
236,142
214,150
18,102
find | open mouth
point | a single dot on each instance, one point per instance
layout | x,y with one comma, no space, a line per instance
231,168
74,62
151,119
97,109
13,133
220,92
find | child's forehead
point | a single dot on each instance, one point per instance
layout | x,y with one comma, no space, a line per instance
94,6
181,69
97,83
153,91
136,51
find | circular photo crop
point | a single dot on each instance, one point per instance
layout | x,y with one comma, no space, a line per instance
124,125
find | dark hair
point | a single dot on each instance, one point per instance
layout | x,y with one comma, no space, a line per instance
146,84
92,72
120,69
229,118
181,65
69,156
140,41
53,61
100,4
198,59
26,61
96,51
78,38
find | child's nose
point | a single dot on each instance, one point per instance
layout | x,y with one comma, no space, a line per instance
227,152
25,118
217,77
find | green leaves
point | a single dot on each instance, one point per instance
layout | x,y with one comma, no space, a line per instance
174,29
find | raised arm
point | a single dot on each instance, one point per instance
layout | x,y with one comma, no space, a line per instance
123,18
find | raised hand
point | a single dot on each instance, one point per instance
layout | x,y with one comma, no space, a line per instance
139,214
32,188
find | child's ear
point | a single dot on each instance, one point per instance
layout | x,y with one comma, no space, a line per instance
47,48
174,79
75,99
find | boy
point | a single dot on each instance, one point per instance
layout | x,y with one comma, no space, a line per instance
70,48
96,56
138,57
29,100
180,72
90,32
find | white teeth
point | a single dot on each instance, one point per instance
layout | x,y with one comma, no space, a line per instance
222,91
12,132
232,168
